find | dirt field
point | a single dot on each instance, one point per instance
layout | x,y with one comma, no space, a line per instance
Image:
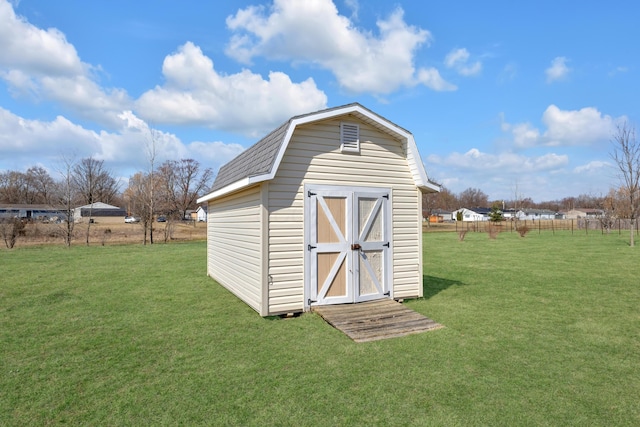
109,233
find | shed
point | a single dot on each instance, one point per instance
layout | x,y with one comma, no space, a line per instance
325,209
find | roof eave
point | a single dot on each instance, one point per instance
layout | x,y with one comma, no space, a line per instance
238,185
415,163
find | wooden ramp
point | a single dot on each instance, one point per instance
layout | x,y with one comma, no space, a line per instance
375,320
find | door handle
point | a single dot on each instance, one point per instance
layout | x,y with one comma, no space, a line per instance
356,246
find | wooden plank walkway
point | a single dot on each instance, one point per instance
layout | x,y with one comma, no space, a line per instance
375,320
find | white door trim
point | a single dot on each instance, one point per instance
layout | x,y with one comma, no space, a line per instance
351,236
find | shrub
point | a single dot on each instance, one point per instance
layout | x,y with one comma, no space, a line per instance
10,229
493,230
105,236
522,230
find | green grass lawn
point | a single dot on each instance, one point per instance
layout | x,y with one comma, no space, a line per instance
541,330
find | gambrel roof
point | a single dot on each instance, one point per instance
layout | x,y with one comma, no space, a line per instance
260,162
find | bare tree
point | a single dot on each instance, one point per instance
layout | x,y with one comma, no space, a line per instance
66,198
151,184
444,199
137,196
30,187
626,155
10,230
473,197
182,182
42,183
94,184
12,187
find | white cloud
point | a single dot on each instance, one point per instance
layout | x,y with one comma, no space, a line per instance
618,70
44,64
195,93
458,59
20,138
354,5
583,127
497,173
33,50
124,149
594,167
314,32
577,127
508,73
558,69
430,77
506,162
525,135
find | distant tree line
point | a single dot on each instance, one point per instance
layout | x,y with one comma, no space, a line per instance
621,202
474,197
169,190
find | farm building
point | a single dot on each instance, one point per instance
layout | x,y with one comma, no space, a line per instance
326,209
30,212
99,211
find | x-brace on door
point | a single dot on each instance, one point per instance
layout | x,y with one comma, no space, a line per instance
348,245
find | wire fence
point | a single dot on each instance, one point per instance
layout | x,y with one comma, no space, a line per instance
579,225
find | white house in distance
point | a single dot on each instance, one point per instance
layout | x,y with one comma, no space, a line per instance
469,215
201,213
326,209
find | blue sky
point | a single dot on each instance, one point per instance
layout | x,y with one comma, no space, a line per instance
517,99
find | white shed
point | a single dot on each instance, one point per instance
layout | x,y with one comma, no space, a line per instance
326,209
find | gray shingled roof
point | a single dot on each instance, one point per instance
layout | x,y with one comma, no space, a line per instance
260,157
256,160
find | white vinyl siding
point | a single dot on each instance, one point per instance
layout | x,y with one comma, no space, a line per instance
234,248
314,156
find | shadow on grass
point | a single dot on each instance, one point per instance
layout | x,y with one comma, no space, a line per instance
432,285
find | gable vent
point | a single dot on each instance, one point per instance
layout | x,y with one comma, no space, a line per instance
349,137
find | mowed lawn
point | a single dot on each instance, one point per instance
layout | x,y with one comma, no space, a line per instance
541,330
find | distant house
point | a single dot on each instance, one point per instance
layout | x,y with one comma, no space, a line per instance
477,214
440,215
99,211
535,214
201,213
584,213
31,212
509,214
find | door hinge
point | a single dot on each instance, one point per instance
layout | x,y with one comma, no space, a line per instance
386,196
310,301
309,193
388,293
309,247
387,245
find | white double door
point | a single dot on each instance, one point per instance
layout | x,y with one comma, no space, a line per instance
348,245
